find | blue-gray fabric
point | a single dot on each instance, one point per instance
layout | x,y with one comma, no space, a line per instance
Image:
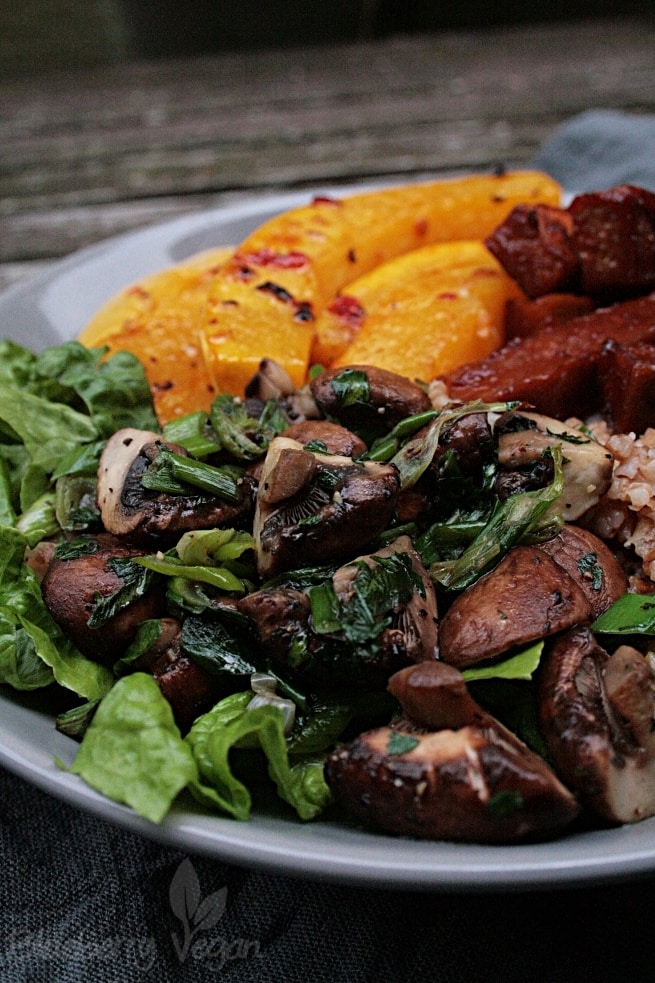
81,900
601,148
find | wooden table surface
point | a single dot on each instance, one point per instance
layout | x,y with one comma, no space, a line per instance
87,155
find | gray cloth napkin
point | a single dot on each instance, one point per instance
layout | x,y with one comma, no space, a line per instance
81,900
601,148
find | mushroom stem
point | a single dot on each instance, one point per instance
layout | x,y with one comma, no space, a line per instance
597,715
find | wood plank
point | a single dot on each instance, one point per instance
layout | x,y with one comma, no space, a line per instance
280,99
94,153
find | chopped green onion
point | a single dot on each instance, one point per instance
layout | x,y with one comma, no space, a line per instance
264,687
417,454
171,472
384,448
632,614
194,433
75,502
213,547
171,566
510,522
39,521
233,425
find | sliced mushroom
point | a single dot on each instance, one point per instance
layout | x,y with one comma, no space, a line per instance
270,381
415,624
280,621
470,439
283,632
471,780
127,508
316,508
526,597
591,564
190,689
383,399
587,465
71,589
288,639
597,715
436,699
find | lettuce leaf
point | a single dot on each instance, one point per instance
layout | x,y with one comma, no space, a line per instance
16,364
114,391
33,650
20,664
133,752
230,723
48,430
71,398
521,665
69,667
54,407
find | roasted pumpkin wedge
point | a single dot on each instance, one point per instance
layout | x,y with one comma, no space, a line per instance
202,327
421,314
157,320
267,297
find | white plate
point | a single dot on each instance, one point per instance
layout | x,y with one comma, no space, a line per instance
55,306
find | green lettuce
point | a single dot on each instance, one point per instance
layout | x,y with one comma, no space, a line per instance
113,392
56,410
133,753
631,614
230,723
33,650
55,405
132,750
521,665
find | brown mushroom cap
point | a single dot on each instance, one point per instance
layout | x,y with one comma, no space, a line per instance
277,615
190,689
435,699
316,508
126,508
337,439
526,597
591,563
71,589
472,782
597,715
392,397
